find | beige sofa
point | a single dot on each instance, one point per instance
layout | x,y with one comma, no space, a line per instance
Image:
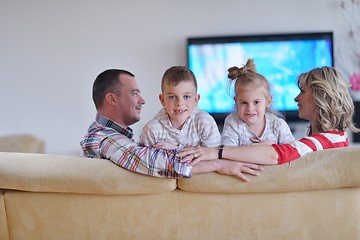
59,197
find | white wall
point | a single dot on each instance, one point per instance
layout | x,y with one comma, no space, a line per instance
51,51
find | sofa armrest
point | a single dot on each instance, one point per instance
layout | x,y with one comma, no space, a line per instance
327,169
25,143
53,173
4,233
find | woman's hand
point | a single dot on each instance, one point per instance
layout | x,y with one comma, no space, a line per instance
238,169
228,167
194,155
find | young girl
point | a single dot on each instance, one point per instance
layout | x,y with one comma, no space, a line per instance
253,122
324,101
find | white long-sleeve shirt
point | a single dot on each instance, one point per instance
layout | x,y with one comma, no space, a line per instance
199,129
236,132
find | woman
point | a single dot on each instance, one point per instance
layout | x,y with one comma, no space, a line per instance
324,101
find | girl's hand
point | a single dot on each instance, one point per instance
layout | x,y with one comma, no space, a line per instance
165,145
197,154
256,141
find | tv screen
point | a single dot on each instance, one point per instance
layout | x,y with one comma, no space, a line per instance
281,58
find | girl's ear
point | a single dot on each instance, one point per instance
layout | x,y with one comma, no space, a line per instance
268,102
161,98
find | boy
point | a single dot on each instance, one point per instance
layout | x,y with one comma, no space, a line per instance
180,122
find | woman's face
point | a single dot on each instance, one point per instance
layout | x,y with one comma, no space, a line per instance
306,104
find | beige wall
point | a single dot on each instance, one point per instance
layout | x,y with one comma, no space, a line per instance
51,51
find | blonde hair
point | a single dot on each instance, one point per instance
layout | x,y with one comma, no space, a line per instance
334,104
247,76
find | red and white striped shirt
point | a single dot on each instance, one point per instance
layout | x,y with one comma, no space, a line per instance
315,142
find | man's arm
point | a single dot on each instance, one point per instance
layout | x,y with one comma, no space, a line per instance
128,154
108,144
156,162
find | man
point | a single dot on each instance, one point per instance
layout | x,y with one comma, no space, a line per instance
118,102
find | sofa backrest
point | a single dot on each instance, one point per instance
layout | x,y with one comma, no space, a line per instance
327,169
54,173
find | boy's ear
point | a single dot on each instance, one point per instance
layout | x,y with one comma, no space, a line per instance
197,98
161,98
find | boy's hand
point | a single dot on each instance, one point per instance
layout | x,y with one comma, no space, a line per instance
165,145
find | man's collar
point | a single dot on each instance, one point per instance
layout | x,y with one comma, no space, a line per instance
111,124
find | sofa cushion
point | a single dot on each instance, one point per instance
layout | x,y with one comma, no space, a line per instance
327,169
53,173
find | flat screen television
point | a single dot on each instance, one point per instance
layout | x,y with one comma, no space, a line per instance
281,58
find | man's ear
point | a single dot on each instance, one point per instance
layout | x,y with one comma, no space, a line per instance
161,98
110,98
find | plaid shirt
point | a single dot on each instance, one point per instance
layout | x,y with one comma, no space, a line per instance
107,140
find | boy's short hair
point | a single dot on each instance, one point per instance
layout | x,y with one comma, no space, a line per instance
177,74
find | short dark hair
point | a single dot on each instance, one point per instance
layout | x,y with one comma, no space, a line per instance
105,83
